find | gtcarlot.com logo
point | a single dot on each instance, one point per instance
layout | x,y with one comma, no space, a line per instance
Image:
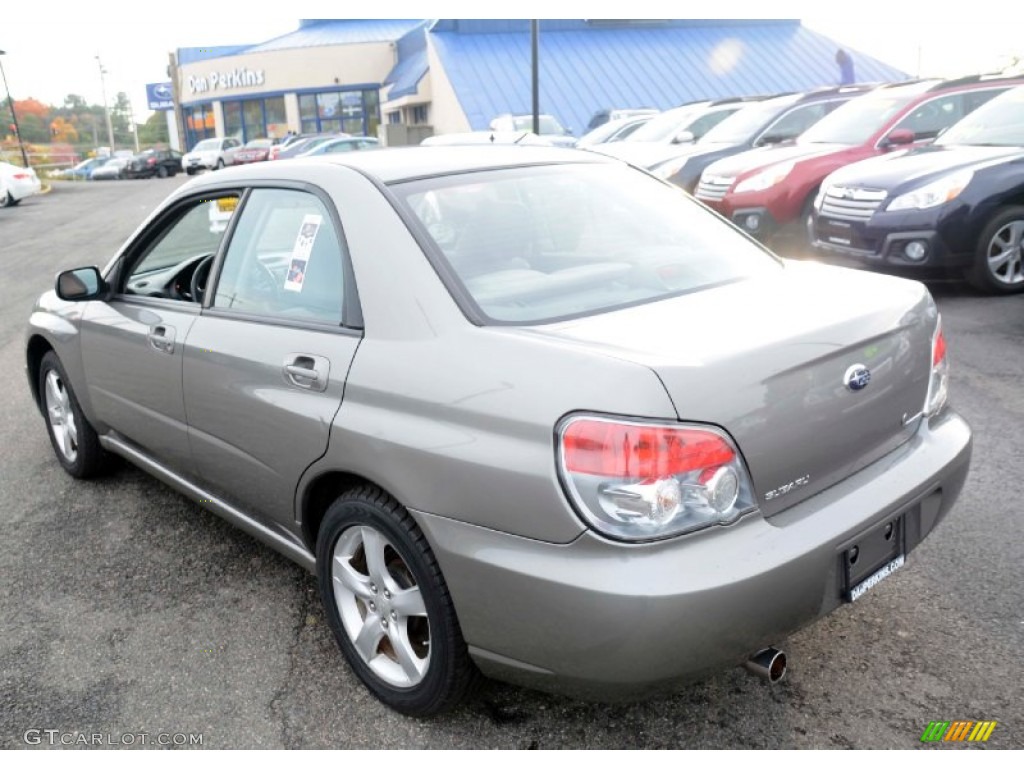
958,730
54,738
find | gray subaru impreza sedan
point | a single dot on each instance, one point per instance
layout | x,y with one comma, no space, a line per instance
524,412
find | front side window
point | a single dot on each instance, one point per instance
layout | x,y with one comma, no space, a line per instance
166,265
536,244
928,119
1000,123
284,260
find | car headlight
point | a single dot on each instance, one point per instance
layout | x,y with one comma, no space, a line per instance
930,195
769,177
644,480
669,168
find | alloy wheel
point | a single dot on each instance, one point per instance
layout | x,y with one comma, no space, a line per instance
1005,255
61,416
381,607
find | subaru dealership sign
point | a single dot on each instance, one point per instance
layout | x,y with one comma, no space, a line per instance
160,96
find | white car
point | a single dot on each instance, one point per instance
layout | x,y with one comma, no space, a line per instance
525,138
210,154
17,183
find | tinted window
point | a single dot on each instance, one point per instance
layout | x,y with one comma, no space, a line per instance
705,123
535,244
793,123
284,259
666,125
743,125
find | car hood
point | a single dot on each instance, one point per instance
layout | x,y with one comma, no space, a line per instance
762,157
914,167
766,359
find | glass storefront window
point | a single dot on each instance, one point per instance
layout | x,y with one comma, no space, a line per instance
253,125
233,119
199,123
355,112
276,120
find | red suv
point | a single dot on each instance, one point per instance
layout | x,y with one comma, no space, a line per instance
769,192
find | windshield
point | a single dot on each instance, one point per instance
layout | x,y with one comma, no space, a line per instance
858,120
1000,123
742,126
548,125
535,244
206,145
664,126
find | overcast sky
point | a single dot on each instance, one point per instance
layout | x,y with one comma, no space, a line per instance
51,50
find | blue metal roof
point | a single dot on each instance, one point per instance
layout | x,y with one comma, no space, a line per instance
405,77
315,32
587,66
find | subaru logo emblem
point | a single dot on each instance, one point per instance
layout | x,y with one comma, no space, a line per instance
857,377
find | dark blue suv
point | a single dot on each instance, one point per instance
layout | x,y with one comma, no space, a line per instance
955,205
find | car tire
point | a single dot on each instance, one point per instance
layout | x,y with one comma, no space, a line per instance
161,172
7,201
388,605
190,172
999,259
74,441
220,164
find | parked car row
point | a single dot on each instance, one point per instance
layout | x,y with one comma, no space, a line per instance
870,181
213,154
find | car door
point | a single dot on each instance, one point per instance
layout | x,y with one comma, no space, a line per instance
132,343
266,362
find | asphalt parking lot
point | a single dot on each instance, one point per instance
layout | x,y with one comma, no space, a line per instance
127,609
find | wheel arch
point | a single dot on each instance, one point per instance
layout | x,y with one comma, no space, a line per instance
319,493
36,348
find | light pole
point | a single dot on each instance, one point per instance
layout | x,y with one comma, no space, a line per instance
14,117
106,112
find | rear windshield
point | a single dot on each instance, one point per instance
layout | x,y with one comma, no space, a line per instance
532,245
1000,123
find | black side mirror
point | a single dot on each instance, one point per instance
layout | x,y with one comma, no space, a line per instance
773,138
80,284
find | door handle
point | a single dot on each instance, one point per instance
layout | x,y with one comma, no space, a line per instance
161,338
299,372
307,371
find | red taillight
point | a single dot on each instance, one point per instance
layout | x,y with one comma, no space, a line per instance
609,449
22,176
938,349
151,161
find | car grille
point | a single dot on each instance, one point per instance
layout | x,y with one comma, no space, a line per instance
713,187
851,203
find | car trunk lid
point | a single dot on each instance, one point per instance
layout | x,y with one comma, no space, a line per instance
771,361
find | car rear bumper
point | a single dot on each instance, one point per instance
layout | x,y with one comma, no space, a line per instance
605,620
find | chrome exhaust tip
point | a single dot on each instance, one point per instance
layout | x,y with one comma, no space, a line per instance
769,664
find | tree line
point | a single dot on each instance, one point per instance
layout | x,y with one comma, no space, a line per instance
79,124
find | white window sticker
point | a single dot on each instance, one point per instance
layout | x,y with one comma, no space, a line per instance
303,247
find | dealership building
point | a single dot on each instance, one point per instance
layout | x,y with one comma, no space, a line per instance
405,79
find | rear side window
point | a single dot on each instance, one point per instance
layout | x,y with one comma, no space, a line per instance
536,244
284,259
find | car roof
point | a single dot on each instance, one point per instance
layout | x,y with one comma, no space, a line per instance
396,164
